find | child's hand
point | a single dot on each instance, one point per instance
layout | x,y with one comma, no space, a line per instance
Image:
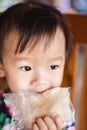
48,123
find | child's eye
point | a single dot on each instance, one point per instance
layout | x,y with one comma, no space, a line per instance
53,67
25,68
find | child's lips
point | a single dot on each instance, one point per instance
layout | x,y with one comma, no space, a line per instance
41,88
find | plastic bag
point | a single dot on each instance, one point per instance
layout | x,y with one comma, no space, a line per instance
27,106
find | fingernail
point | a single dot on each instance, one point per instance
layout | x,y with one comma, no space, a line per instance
54,115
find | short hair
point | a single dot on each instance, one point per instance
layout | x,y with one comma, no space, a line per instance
33,21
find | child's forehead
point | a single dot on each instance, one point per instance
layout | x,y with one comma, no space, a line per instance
12,41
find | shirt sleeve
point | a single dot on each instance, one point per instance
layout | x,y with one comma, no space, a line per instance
5,114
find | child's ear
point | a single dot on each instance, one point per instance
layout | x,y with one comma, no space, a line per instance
2,72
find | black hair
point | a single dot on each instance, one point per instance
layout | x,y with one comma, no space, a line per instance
32,21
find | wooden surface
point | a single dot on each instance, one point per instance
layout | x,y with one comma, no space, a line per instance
83,105
78,25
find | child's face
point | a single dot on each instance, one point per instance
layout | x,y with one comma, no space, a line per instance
37,70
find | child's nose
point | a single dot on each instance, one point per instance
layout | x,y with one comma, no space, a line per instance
40,82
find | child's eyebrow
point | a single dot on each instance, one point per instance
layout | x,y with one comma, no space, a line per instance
56,58
22,59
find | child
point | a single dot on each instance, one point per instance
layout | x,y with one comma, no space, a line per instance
34,43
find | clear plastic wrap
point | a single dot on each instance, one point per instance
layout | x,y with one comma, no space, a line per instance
27,106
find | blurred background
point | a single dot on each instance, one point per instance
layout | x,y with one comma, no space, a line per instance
66,6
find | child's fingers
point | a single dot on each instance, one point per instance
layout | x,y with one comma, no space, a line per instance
35,127
46,123
41,124
50,123
58,122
